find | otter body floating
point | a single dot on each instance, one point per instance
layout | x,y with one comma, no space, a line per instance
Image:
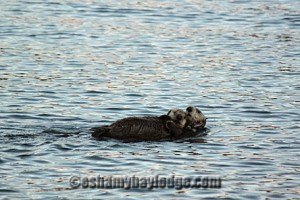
176,124
139,128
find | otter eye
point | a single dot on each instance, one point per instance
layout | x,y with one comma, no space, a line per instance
198,111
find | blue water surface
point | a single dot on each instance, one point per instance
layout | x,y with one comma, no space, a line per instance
67,66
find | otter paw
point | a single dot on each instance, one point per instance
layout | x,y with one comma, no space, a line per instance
173,129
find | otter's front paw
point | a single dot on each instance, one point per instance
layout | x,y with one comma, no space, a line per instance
174,130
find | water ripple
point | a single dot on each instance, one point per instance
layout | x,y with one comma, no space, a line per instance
69,66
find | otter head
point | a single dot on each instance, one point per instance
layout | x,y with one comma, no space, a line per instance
195,118
178,116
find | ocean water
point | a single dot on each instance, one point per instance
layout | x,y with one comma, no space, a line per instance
67,66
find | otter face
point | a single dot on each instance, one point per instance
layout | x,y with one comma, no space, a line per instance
178,116
195,118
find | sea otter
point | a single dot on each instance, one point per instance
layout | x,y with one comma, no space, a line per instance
194,118
178,116
176,124
141,128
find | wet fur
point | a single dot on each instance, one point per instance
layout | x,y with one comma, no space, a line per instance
176,124
195,119
139,128
178,116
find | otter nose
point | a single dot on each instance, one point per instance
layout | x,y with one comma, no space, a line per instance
189,109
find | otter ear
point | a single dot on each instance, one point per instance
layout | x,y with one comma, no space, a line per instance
189,109
164,117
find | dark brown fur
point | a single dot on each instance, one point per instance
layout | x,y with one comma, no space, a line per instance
139,128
